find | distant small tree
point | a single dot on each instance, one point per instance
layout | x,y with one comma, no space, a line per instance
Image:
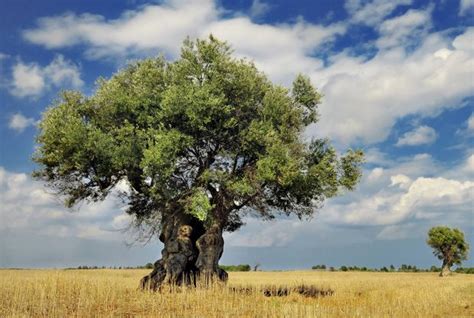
392,268
449,246
319,266
344,268
434,269
255,268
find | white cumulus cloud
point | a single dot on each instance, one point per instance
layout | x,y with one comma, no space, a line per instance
259,8
26,205
363,98
153,26
31,79
401,180
404,30
411,195
420,136
466,7
19,122
424,198
372,12
27,80
470,123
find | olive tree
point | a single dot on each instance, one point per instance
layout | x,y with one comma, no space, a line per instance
200,142
449,246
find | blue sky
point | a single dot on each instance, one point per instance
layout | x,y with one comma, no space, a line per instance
397,78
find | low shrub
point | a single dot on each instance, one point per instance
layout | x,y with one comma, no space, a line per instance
236,268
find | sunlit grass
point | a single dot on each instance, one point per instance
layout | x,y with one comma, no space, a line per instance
107,293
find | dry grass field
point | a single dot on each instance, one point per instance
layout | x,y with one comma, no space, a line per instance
113,293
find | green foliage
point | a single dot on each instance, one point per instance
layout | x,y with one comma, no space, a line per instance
318,267
464,270
146,266
408,268
161,154
307,98
198,204
149,266
391,268
236,268
206,134
448,244
435,269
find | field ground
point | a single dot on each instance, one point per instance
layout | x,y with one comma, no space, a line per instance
107,293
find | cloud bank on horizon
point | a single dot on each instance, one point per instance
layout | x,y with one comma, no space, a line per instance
397,81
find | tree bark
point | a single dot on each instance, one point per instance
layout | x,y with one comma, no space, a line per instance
445,270
190,255
210,248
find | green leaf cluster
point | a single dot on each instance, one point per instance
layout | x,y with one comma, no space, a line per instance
198,204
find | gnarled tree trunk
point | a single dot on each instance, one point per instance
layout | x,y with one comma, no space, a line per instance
210,247
445,270
191,254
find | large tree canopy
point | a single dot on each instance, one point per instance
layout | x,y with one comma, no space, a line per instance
208,135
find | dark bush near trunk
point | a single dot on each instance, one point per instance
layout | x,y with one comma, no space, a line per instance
280,291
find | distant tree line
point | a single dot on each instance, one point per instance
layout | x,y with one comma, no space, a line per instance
319,267
236,268
229,268
246,268
146,266
391,268
465,270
